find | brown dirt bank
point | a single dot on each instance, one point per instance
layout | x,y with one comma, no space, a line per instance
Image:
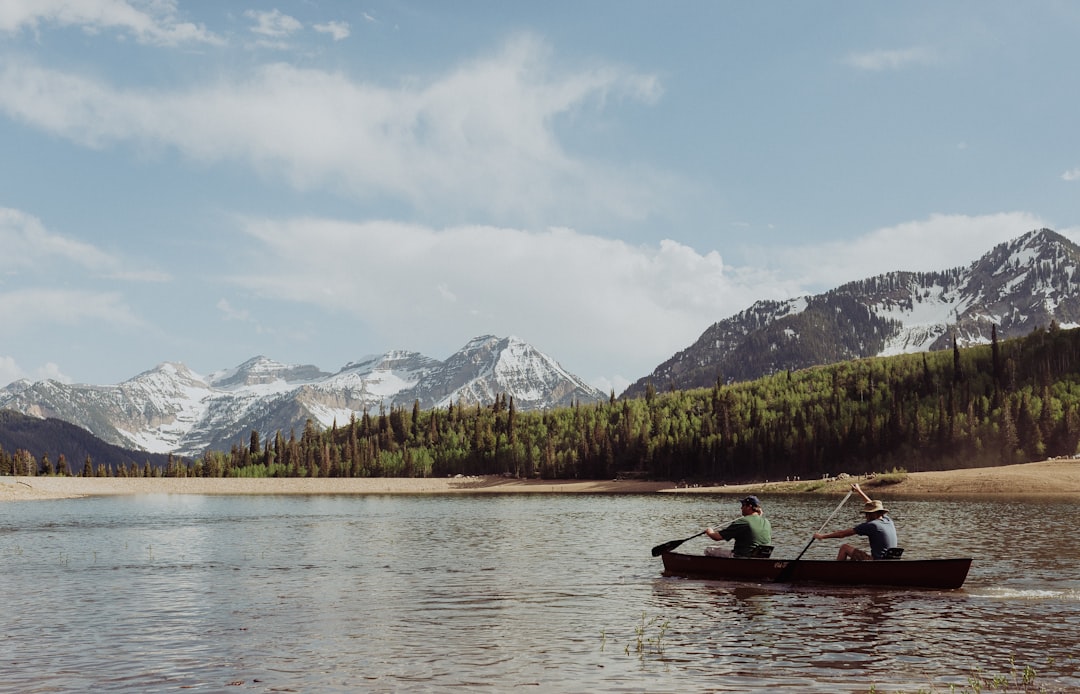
1047,478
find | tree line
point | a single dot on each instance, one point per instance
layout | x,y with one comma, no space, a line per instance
1010,401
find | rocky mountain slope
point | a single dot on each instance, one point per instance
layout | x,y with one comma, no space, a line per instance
172,409
1017,286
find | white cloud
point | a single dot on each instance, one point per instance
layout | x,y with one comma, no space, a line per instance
571,294
879,60
27,243
1071,175
48,294
273,23
142,275
158,23
51,371
337,30
29,247
10,371
231,314
940,242
565,292
616,384
478,139
61,307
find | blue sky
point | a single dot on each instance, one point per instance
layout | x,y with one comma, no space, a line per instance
318,181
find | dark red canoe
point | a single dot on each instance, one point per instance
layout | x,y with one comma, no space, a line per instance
907,573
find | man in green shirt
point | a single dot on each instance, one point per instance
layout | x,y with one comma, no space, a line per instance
750,531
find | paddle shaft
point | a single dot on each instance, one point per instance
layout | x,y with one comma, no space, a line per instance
787,569
672,544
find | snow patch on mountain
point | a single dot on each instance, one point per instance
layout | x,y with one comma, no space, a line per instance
171,409
1023,284
925,319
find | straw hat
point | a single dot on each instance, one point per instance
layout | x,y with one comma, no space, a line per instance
874,507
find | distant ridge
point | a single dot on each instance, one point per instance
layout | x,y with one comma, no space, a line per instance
171,409
1017,286
54,437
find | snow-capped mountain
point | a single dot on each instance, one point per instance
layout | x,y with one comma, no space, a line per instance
170,409
1018,286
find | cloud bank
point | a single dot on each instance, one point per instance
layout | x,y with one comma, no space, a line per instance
475,142
559,287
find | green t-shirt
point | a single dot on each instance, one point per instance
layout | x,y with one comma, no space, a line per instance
748,532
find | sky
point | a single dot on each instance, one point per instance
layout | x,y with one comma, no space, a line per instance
317,181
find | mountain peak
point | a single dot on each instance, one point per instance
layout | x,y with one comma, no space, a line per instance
262,370
481,342
169,409
166,372
1021,284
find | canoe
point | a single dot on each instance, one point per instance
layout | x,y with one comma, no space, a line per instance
907,573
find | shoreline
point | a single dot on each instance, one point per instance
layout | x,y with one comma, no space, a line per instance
1059,477
30,488
1050,478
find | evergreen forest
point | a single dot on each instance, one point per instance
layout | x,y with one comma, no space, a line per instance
1007,402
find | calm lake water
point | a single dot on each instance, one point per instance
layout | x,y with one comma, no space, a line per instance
545,593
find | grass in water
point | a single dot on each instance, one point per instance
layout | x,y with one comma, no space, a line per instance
648,636
1016,681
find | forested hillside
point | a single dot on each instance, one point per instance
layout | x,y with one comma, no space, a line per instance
1007,402
50,446
1028,282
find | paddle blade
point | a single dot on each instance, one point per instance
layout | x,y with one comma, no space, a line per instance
666,547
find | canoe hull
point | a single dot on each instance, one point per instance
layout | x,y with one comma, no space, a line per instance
907,573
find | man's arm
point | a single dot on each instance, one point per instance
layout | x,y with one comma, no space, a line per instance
847,532
857,488
728,533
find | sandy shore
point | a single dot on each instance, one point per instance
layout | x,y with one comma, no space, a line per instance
1060,477
1047,478
16,488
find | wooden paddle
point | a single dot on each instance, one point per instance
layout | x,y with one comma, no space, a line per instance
672,544
786,571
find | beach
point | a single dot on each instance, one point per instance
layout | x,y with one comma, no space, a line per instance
1059,477
29,488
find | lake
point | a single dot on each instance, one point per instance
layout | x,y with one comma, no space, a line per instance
545,593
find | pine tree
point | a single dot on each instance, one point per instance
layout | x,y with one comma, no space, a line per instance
995,357
1009,440
958,373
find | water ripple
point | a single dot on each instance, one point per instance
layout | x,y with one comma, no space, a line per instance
553,593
